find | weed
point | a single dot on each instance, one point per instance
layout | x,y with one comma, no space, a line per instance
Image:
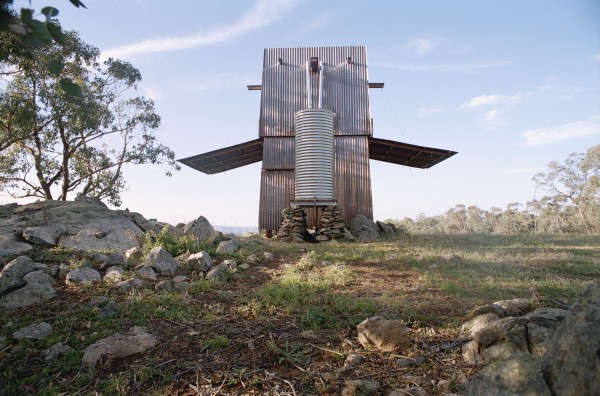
291,353
218,342
174,244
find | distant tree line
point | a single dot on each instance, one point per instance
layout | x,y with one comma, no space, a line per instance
571,205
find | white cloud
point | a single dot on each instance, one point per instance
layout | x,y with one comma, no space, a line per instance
495,99
264,13
428,110
597,57
491,115
421,45
540,136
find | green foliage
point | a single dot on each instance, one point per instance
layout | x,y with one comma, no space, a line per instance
218,342
292,353
175,244
58,137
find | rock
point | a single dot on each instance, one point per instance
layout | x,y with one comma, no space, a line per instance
385,229
44,236
94,239
485,309
514,307
55,351
540,338
10,246
39,276
134,256
500,329
471,355
181,278
161,261
228,265
130,284
31,294
227,247
363,228
385,335
360,387
215,238
200,228
352,360
547,317
477,323
572,363
11,276
117,259
170,285
119,346
37,331
84,276
146,273
199,262
112,308
113,274
412,391
519,374
63,270
408,362
443,386
216,275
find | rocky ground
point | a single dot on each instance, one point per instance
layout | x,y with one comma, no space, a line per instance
82,316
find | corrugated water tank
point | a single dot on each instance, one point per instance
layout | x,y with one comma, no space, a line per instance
314,155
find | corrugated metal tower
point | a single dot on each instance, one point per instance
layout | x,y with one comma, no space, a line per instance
315,135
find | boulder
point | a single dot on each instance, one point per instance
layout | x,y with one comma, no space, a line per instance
83,224
170,285
11,276
200,228
44,236
199,262
39,276
215,238
385,229
31,294
161,261
572,363
134,256
472,327
55,351
229,247
119,346
385,335
363,228
84,276
146,273
128,285
216,275
112,308
37,331
113,274
519,374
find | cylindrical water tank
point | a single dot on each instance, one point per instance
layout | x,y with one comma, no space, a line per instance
314,155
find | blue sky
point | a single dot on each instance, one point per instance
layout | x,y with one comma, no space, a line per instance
510,85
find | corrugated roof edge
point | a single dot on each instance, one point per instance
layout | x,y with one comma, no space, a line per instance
406,154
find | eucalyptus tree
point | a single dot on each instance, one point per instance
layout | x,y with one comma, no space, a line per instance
576,183
54,144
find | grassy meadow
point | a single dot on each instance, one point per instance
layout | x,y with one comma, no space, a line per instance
284,325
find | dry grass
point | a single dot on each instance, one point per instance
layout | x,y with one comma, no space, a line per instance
285,325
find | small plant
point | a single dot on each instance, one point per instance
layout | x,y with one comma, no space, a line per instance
291,353
174,244
218,342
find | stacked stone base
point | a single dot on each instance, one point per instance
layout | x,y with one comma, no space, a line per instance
293,225
333,225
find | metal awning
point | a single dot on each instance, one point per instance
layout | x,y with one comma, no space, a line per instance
406,154
227,158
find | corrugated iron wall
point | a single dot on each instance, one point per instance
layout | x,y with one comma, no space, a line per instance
345,92
276,190
345,88
353,176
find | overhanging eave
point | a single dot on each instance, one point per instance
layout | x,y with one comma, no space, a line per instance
406,154
226,158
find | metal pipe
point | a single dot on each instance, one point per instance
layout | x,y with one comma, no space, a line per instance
308,93
320,84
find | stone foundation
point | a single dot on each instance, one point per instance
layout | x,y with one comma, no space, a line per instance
293,225
333,225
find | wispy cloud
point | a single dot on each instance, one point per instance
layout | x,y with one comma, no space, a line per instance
445,67
597,57
572,130
428,110
421,45
262,14
494,99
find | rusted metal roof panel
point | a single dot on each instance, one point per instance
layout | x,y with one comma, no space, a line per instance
226,158
345,88
276,191
278,153
353,176
406,154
